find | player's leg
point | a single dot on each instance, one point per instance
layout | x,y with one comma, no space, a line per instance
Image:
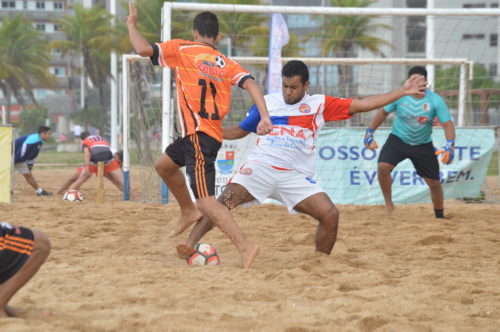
437,195
392,153
40,251
233,195
84,176
427,166
223,219
385,181
116,177
31,180
168,167
68,182
320,207
201,152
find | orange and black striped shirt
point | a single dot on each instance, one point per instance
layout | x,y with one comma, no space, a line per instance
12,239
204,77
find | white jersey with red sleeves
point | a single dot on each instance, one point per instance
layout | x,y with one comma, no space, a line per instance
291,144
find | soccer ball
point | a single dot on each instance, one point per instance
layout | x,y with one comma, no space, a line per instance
219,61
204,254
73,196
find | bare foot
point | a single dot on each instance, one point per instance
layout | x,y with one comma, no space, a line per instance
389,209
184,250
249,255
185,221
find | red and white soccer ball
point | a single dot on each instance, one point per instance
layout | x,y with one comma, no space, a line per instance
73,196
204,254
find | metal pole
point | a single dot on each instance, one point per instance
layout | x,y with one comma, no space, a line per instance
125,134
114,88
167,112
461,96
4,114
429,44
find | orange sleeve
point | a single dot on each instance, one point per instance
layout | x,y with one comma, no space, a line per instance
238,74
168,53
337,109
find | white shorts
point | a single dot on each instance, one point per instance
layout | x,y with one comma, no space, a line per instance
265,181
22,167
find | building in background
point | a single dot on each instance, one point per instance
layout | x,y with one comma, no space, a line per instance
59,99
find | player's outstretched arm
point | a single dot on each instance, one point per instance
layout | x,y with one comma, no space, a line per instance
140,44
234,132
265,126
415,85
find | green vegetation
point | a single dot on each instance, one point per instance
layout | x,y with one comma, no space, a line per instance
31,119
493,166
90,33
24,58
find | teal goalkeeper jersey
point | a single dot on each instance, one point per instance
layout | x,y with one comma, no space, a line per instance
413,123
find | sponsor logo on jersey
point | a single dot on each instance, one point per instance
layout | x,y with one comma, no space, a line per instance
304,108
426,107
288,131
210,64
423,119
246,171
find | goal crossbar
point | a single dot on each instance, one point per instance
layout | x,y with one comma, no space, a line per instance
335,10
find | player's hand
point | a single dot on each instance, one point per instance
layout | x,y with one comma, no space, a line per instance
448,152
132,14
264,127
370,140
415,85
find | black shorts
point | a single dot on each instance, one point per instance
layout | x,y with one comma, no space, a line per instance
422,156
198,153
16,245
105,156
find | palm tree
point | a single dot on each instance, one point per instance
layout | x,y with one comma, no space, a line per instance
90,34
341,36
24,59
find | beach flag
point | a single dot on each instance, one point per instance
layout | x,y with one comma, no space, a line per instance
277,39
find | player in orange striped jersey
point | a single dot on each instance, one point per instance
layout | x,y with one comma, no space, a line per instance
204,78
22,252
97,149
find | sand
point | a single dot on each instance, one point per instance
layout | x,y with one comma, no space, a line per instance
113,267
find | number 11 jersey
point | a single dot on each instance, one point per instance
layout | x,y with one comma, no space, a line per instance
204,77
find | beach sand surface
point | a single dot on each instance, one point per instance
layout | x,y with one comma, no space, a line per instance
113,267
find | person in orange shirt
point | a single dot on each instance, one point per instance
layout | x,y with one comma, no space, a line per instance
97,149
117,156
204,77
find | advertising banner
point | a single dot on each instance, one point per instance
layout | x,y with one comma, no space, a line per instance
348,171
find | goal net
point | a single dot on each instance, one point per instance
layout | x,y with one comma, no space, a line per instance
353,53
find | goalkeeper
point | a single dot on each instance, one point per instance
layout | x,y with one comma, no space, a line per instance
410,137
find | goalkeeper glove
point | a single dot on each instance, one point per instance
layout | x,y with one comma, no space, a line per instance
369,140
448,152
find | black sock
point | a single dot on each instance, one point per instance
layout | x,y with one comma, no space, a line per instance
439,213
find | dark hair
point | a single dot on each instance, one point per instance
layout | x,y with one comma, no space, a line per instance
120,155
418,70
43,129
206,24
296,68
84,135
